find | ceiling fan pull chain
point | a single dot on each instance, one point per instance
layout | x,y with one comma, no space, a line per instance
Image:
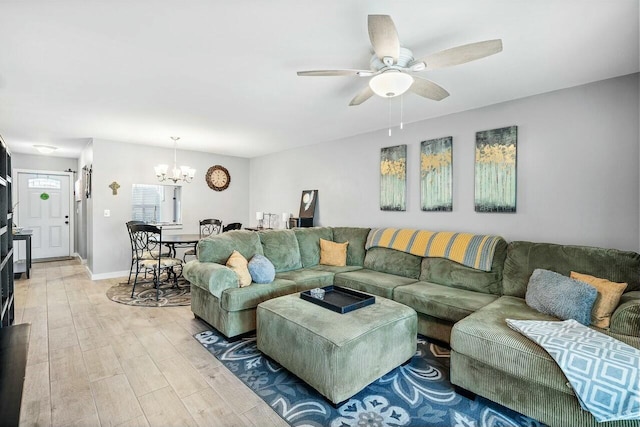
389,121
401,111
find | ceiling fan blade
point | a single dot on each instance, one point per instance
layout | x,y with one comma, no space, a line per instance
428,89
362,96
362,73
461,54
384,37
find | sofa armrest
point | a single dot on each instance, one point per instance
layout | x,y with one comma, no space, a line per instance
626,317
211,276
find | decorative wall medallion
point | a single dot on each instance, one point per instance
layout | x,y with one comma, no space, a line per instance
218,178
44,196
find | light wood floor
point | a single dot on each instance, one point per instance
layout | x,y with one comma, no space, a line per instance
93,362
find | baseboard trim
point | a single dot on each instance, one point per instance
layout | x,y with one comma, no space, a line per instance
111,275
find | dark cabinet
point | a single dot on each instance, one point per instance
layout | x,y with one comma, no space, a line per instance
6,237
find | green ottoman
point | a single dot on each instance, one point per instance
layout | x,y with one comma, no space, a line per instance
337,354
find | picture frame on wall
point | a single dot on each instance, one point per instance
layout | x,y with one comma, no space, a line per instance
436,175
308,202
495,187
393,178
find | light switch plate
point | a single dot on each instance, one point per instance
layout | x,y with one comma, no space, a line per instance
107,212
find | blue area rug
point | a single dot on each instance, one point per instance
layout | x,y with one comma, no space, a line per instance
416,394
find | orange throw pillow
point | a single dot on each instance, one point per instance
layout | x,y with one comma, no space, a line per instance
332,253
609,294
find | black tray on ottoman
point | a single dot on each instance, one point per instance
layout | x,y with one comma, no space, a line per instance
340,300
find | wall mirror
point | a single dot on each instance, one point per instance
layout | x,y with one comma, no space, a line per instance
156,203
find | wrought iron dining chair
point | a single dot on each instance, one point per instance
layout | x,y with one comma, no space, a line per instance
133,249
232,226
208,227
147,243
164,252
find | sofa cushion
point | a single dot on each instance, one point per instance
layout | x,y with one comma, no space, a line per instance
218,248
393,262
309,243
357,237
484,336
440,301
608,298
236,299
560,296
332,253
308,278
261,269
450,273
373,282
524,257
334,269
281,247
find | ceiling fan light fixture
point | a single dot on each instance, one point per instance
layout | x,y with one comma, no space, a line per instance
45,149
390,83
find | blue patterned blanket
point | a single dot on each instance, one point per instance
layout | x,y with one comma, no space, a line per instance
603,372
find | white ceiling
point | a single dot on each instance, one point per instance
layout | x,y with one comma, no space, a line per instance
222,74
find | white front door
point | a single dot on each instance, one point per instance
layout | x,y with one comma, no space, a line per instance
43,206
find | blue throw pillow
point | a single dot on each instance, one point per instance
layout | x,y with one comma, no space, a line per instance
560,296
261,269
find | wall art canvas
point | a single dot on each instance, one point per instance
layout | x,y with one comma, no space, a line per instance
308,203
495,181
393,178
436,182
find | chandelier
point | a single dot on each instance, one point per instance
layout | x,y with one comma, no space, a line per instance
184,173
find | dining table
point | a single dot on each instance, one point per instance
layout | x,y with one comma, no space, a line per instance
174,241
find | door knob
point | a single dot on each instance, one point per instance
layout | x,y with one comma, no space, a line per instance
66,222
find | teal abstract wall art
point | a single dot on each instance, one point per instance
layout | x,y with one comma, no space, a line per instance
495,173
436,182
393,178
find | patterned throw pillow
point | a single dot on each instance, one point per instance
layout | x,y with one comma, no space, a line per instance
239,264
332,253
609,294
261,269
560,296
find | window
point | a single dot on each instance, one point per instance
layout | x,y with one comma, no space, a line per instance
156,203
49,183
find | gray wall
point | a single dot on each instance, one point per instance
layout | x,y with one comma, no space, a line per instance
127,164
37,162
578,181
84,232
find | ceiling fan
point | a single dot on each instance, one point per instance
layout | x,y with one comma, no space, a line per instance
392,67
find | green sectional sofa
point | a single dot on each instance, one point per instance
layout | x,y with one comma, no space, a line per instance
494,361
456,304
